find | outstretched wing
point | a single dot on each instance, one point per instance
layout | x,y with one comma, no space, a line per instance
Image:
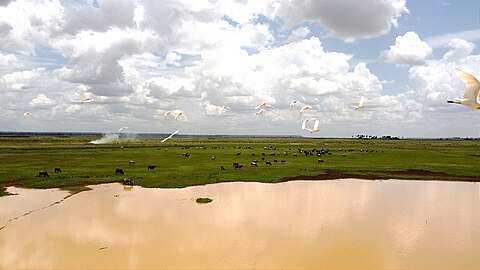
362,99
304,123
472,88
171,135
317,123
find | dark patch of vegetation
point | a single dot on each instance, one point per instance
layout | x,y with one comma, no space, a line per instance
204,200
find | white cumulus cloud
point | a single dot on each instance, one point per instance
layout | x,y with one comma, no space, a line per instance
408,49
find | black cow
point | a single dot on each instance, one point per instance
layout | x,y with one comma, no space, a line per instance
119,171
151,167
235,164
284,161
43,174
132,162
238,154
343,155
222,168
58,170
268,163
253,164
320,160
238,166
127,181
275,161
186,154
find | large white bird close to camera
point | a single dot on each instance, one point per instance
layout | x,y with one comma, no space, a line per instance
360,103
315,126
471,96
171,135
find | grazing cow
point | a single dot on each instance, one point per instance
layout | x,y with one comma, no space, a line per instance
263,158
343,155
222,168
235,164
295,154
151,167
238,154
253,164
320,160
58,170
186,154
132,162
127,181
255,160
263,154
275,161
284,161
238,166
253,154
119,171
213,158
43,174
268,163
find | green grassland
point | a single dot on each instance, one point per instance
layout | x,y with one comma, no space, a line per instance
21,158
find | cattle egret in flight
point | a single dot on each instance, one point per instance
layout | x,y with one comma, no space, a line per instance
180,114
263,104
222,109
470,98
304,108
259,111
171,135
360,103
83,100
27,114
122,128
315,126
165,115
293,104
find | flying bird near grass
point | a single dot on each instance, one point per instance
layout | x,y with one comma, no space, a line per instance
263,104
171,135
315,126
360,104
471,97
26,114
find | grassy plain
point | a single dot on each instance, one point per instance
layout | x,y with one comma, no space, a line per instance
21,158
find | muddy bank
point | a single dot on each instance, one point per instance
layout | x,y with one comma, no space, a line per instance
380,175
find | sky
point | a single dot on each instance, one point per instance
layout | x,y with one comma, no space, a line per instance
139,59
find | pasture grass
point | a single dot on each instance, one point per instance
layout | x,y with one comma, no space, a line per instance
82,164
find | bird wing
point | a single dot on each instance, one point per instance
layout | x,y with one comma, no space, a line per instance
473,87
317,122
261,104
171,135
304,123
362,99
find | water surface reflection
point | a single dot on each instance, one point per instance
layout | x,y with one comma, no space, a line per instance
302,224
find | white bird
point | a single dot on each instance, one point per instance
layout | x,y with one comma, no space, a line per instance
165,115
304,108
27,114
122,128
263,104
180,114
83,100
471,96
293,104
360,103
222,109
259,111
315,126
171,135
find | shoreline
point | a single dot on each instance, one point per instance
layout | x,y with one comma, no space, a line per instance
329,174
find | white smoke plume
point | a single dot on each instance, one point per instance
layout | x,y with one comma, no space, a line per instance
111,138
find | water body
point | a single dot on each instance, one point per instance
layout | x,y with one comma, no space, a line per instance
302,224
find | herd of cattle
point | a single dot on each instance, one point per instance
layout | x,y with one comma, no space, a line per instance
236,165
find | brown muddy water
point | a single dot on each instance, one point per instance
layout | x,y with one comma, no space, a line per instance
303,224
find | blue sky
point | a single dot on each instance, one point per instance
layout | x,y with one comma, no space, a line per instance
139,59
